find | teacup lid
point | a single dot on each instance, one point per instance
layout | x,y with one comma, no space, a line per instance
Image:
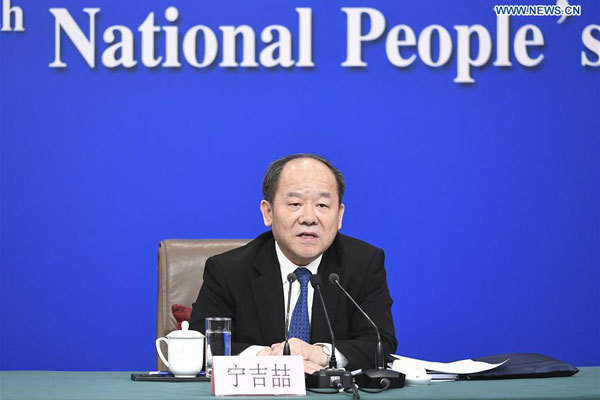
185,333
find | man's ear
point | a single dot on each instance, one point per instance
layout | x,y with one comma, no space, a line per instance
267,212
341,215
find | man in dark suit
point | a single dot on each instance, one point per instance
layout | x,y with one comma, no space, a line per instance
303,206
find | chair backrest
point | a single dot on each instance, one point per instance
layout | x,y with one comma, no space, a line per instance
180,276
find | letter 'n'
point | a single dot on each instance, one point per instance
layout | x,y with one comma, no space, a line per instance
86,46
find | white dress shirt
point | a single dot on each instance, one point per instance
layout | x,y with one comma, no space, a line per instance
286,266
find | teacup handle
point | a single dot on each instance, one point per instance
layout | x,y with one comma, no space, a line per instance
160,354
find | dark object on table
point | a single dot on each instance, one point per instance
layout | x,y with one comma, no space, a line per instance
373,379
522,365
329,378
166,378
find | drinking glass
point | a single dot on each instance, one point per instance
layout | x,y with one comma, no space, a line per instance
218,339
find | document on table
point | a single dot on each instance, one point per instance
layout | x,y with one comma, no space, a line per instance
457,367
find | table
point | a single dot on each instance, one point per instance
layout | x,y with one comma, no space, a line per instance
48,385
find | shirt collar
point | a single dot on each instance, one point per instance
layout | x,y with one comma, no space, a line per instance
287,266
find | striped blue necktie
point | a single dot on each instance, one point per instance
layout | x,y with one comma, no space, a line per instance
300,324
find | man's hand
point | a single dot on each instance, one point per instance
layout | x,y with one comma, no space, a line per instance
310,367
266,352
310,352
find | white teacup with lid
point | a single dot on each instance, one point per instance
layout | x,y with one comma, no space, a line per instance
185,351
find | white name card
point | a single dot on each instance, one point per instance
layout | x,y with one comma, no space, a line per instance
256,376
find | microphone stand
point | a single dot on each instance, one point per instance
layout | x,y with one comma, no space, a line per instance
373,378
331,377
291,278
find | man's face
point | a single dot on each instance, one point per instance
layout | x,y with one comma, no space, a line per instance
305,215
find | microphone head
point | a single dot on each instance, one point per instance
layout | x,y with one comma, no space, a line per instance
334,278
291,277
315,280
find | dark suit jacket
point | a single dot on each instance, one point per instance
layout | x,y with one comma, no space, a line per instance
245,284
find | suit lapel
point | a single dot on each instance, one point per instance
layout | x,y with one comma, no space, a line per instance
268,294
319,330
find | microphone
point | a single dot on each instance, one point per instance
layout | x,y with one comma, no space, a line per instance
379,359
291,278
315,281
379,377
330,377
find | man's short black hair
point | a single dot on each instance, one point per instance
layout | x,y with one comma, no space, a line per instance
271,180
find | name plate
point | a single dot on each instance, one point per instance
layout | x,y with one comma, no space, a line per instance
256,376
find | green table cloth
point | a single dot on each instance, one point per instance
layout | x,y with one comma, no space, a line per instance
32,385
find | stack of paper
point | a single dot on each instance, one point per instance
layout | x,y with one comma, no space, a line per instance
437,371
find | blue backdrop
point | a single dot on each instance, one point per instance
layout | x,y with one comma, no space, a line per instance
485,196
